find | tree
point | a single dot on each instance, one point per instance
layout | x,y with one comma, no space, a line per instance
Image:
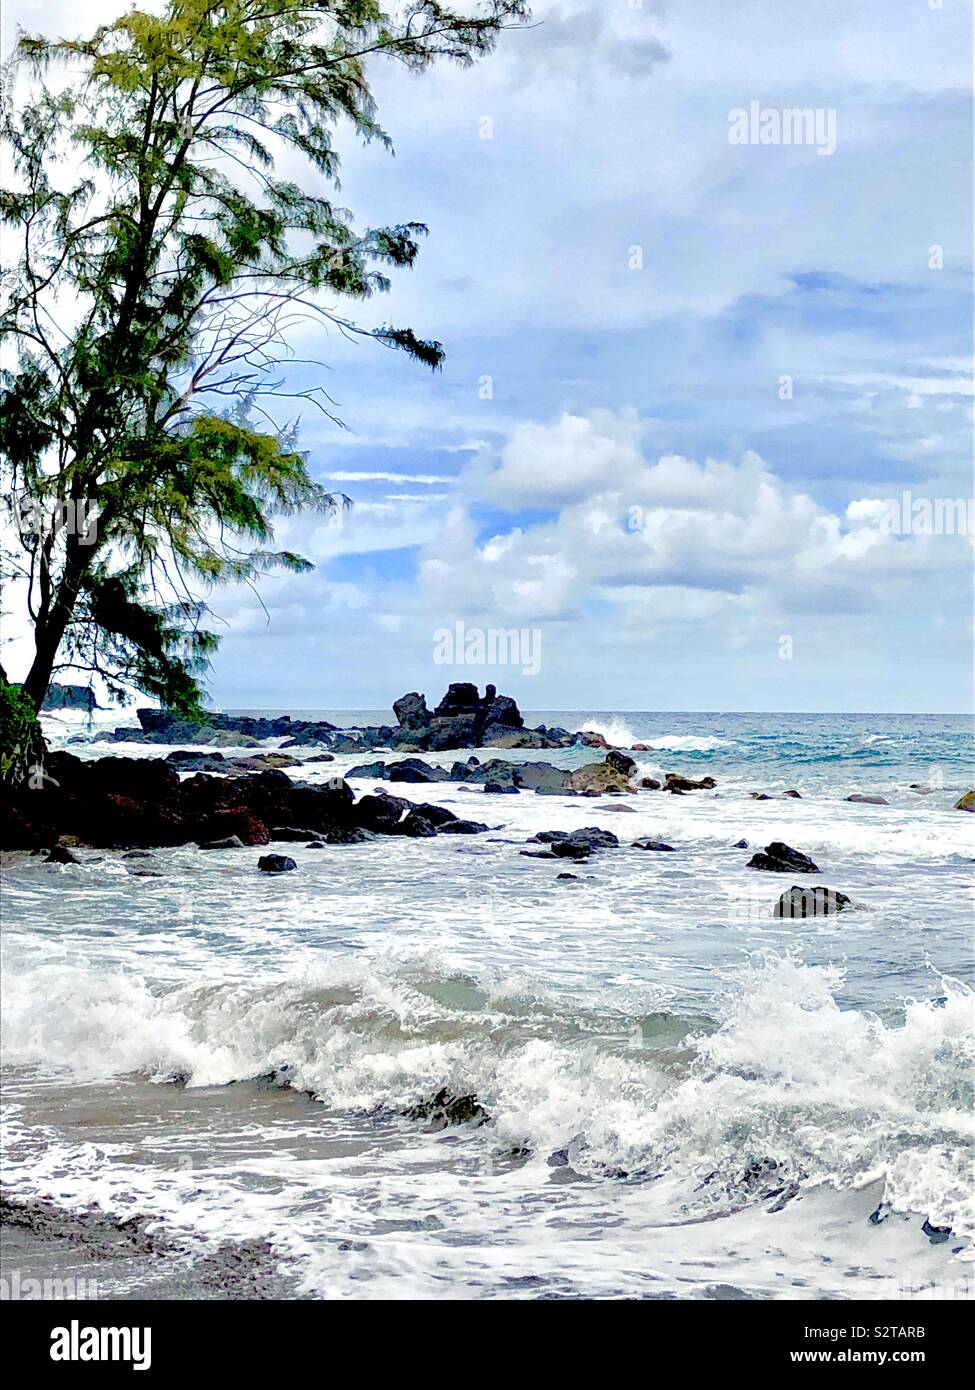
153,296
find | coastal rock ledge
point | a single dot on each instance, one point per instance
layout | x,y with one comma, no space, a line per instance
122,803
463,719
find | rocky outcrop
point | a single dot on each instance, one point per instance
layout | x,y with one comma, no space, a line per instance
213,729
142,802
966,802
574,844
780,858
185,760
69,697
810,902
466,719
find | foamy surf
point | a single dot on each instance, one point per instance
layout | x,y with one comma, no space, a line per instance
681,1094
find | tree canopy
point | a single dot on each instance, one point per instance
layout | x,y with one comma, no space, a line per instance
158,267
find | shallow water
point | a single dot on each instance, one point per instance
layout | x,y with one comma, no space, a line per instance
687,1096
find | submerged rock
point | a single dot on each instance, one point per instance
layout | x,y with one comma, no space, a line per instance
60,854
868,800
228,842
276,864
646,843
937,1235
573,844
445,1109
810,902
782,859
674,782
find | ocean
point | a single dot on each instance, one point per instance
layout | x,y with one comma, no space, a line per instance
686,1097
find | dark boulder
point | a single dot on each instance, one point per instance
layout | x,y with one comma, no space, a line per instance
436,815
373,771
143,779
496,789
347,835
782,859
415,826
461,698
590,739
415,770
622,762
810,902
576,844
570,848
674,782
186,760
503,711
411,711
120,822
379,813
291,833
238,823
456,731
462,827
328,806
459,772
646,843
60,854
275,864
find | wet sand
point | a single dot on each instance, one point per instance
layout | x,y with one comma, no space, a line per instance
49,1253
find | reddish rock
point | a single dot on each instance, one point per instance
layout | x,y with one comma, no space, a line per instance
590,739
237,821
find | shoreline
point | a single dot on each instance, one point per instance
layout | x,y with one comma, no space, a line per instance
50,1253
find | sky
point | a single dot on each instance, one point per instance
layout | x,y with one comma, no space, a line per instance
686,377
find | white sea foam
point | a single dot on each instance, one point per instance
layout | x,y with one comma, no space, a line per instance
836,1099
600,1016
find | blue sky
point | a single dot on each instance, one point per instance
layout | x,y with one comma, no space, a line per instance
636,288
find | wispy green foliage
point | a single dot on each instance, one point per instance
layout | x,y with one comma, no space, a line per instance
156,292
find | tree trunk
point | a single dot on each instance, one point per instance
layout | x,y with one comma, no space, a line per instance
50,630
